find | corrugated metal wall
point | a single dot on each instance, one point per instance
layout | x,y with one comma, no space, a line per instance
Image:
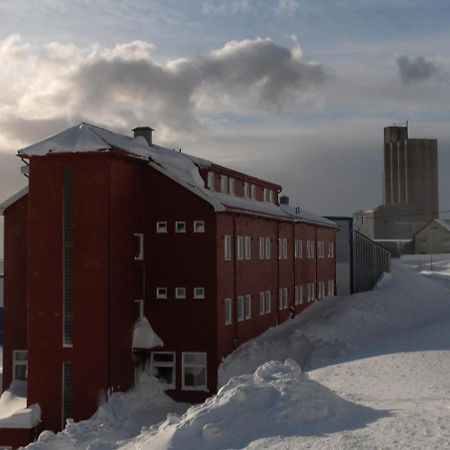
370,261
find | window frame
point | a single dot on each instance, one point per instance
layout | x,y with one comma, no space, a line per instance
200,223
262,248
203,387
183,223
247,248
268,303
228,311
240,308
139,255
268,249
160,296
248,306
158,225
246,189
198,296
227,255
240,248
177,293
223,184
165,364
19,363
231,186
210,182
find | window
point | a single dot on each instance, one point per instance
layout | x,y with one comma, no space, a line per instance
161,292
248,247
199,226
298,250
311,287
163,367
268,256
228,311
240,308
161,227
268,302
320,249
313,291
194,371
253,192
180,292
227,247
331,250
20,365
262,303
67,392
224,184
330,287
231,186
266,194
320,289
310,249
283,298
139,246
180,227
211,181
298,295
262,248
285,247
240,247
199,292
248,306
280,249
246,189
271,196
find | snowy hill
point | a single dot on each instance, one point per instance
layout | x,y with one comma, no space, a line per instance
378,365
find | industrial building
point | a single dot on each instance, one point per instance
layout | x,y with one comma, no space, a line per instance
122,255
411,197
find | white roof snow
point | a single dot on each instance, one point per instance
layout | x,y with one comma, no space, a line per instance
13,199
144,336
444,223
180,167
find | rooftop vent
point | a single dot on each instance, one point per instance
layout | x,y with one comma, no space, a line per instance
145,132
284,200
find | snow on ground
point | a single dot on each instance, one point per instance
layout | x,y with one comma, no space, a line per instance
378,365
436,267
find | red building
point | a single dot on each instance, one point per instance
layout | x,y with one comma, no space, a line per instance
123,253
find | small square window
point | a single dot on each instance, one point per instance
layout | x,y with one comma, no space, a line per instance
199,226
161,227
180,292
180,227
161,292
199,292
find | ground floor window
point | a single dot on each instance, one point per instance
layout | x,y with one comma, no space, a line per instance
163,367
20,365
67,391
194,371
228,311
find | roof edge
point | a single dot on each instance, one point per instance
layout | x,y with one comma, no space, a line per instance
13,199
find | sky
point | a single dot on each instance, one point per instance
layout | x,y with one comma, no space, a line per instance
293,91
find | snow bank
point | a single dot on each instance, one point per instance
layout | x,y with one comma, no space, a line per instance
278,399
144,335
14,412
121,418
337,326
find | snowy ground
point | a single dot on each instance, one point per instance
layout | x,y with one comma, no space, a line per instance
377,366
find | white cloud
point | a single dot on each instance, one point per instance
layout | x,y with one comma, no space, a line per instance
225,7
287,7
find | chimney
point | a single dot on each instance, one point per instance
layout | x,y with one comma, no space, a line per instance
145,132
284,200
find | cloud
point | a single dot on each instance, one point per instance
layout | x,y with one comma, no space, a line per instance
415,70
287,7
125,85
225,7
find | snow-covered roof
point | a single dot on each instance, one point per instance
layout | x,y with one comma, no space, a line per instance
180,167
444,223
144,337
13,199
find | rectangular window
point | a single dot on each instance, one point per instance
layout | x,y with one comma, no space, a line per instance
240,247
224,184
161,292
280,249
68,258
139,246
261,248
180,292
298,295
285,249
271,196
298,248
268,302
211,181
199,226
161,227
180,227
248,247
266,194
228,311
331,250
246,189
67,392
312,249
248,306
285,298
253,192
262,303
199,292
280,299
194,372
231,186
240,308
227,247
313,291
268,252
163,367
20,365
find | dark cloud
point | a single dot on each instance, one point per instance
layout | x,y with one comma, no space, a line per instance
415,70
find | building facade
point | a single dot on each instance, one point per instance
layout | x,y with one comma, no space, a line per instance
115,235
410,189
434,237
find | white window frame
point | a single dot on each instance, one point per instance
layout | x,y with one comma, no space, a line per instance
19,363
227,247
211,181
165,364
240,308
161,292
180,292
246,189
199,226
199,292
268,248
298,248
183,369
140,250
232,186
268,307
266,194
280,249
228,307
299,295
161,227
285,248
248,248
248,306
240,248
262,248
262,303
271,196
253,192
224,184
280,299
182,224
330,249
